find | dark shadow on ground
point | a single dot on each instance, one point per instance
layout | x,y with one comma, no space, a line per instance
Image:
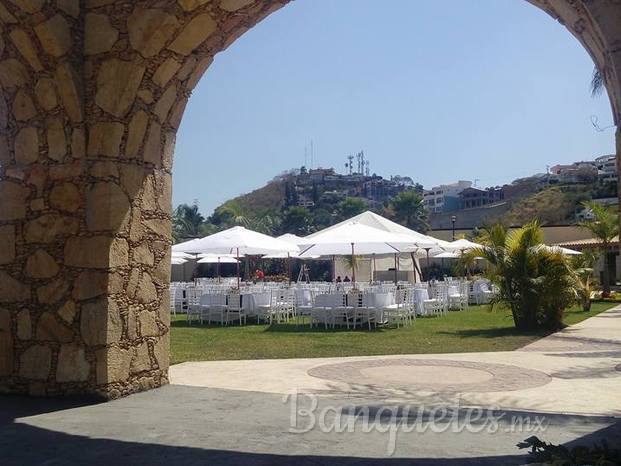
495,333
23,444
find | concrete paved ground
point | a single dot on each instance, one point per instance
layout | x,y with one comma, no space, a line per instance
239,413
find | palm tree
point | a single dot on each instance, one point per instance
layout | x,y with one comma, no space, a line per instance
187,221
535,282
598,82
583,269
605,227
232,214
409,210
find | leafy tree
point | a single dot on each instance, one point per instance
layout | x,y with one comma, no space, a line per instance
297,220
409,210
187,221
350,207
535,282
322,218
605,227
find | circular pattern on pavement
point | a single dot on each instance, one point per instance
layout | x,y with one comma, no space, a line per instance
435,375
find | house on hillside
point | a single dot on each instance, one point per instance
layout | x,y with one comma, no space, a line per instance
472,197
444,198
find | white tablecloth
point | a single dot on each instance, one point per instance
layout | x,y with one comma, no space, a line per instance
303,297
420,295
379,300
252,301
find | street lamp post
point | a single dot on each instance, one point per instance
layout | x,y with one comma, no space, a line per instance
453,220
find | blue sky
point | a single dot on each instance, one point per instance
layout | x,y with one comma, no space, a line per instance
471,89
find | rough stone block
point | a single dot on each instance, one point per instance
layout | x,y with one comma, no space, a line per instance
117,84
54,35
50,328
12,290
41,265
72,364
35,363
113,365
148,324
90,284
22,42
53,291
107,207
65,197
24,325
49,227
27,146
100,36
7,239
67,311
45,90
100,322
105,139
194,33
150,29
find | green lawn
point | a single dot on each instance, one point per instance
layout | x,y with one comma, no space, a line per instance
474,330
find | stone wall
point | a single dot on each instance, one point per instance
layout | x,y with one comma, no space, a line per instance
93,92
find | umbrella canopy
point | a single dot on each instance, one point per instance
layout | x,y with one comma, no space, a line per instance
182,255
216,259
181,247
370,219
447,255
293,239
177,261
463,245
239,240
566,251
364,240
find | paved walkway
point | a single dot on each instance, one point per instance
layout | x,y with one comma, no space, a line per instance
387,410
572,371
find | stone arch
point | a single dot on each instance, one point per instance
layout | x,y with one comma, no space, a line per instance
92,95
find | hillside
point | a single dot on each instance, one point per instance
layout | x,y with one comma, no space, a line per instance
554,205
270,197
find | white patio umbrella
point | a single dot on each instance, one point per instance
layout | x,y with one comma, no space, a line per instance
462,245
180,248
239,240
182,255
217,259
177,261
566,251
355,239
293,239
446,255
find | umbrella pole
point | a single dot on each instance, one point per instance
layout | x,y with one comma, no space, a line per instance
333,271
289,268
396,270
218,270
238,287
372,270
353,266
427,263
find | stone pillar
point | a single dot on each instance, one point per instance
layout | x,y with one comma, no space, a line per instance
92,96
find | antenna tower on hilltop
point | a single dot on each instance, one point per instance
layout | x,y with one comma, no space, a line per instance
350,164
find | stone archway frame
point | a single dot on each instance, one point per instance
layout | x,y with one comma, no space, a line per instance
92,95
